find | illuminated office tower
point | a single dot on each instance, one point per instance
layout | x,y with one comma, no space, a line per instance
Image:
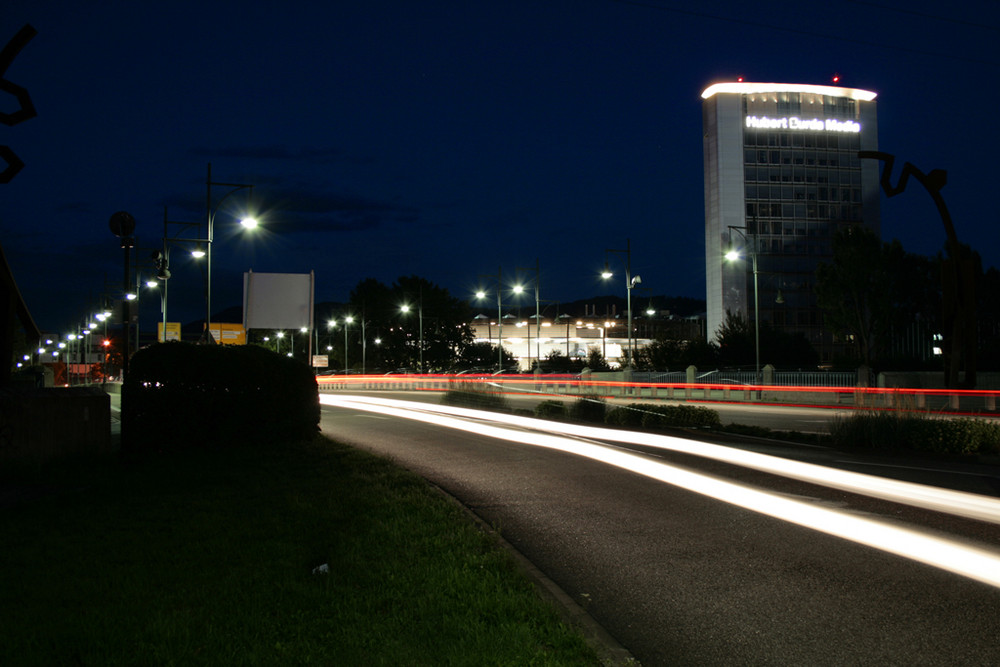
782,175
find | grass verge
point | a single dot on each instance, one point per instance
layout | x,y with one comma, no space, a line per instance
208,558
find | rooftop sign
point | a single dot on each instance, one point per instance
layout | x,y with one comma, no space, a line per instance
794,123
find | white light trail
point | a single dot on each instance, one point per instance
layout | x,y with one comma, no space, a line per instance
976,563
956,503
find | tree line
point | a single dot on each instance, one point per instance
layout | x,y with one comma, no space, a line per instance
869,293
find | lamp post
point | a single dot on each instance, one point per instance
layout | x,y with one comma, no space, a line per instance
330,326
565,317
630,282
247,222
538,318
122,225
527,346
364,345
134,296
203,247
347,320
405,308
733,255
482,295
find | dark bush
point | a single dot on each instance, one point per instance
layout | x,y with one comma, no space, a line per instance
551,410
895,431
588,409
625,416
679,416
476,398
181,395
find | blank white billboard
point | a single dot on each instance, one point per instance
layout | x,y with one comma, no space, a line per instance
277,300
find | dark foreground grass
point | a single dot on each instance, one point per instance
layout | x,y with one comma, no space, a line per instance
207,558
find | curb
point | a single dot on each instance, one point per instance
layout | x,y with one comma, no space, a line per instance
607,648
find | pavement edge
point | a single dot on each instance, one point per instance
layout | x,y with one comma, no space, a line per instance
608,649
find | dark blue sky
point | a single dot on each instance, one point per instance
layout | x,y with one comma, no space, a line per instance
446,138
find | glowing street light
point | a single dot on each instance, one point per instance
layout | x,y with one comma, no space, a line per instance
246,222
482,295
405,308
630,282
538,316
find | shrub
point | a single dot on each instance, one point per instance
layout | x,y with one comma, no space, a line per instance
876,429
551,410
629,416
476,398
958,436
895,431
679,416
180,395
588,409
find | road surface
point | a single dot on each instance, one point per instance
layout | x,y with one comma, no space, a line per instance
680,577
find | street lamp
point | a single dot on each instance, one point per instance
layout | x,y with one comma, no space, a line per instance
149,284
246,222
202,247
538,317
734,255
482,295
405,308
122,225
347,320
630,282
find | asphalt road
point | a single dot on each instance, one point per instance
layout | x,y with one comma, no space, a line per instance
682,579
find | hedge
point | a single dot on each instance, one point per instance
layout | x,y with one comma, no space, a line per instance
654,416
181,395
893,431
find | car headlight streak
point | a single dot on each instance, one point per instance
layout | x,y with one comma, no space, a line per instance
974,562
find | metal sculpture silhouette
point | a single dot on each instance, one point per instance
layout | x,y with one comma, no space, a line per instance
12,306
25,108
958,275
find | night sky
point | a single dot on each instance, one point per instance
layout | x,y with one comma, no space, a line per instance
446,139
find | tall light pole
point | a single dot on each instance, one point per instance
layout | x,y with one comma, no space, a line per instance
247,222
364,345
405,308
733,255
630,282
482,295
203,246
122,225
347,320
134,296
538,317
330,326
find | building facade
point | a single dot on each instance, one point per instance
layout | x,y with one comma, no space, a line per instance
782,175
